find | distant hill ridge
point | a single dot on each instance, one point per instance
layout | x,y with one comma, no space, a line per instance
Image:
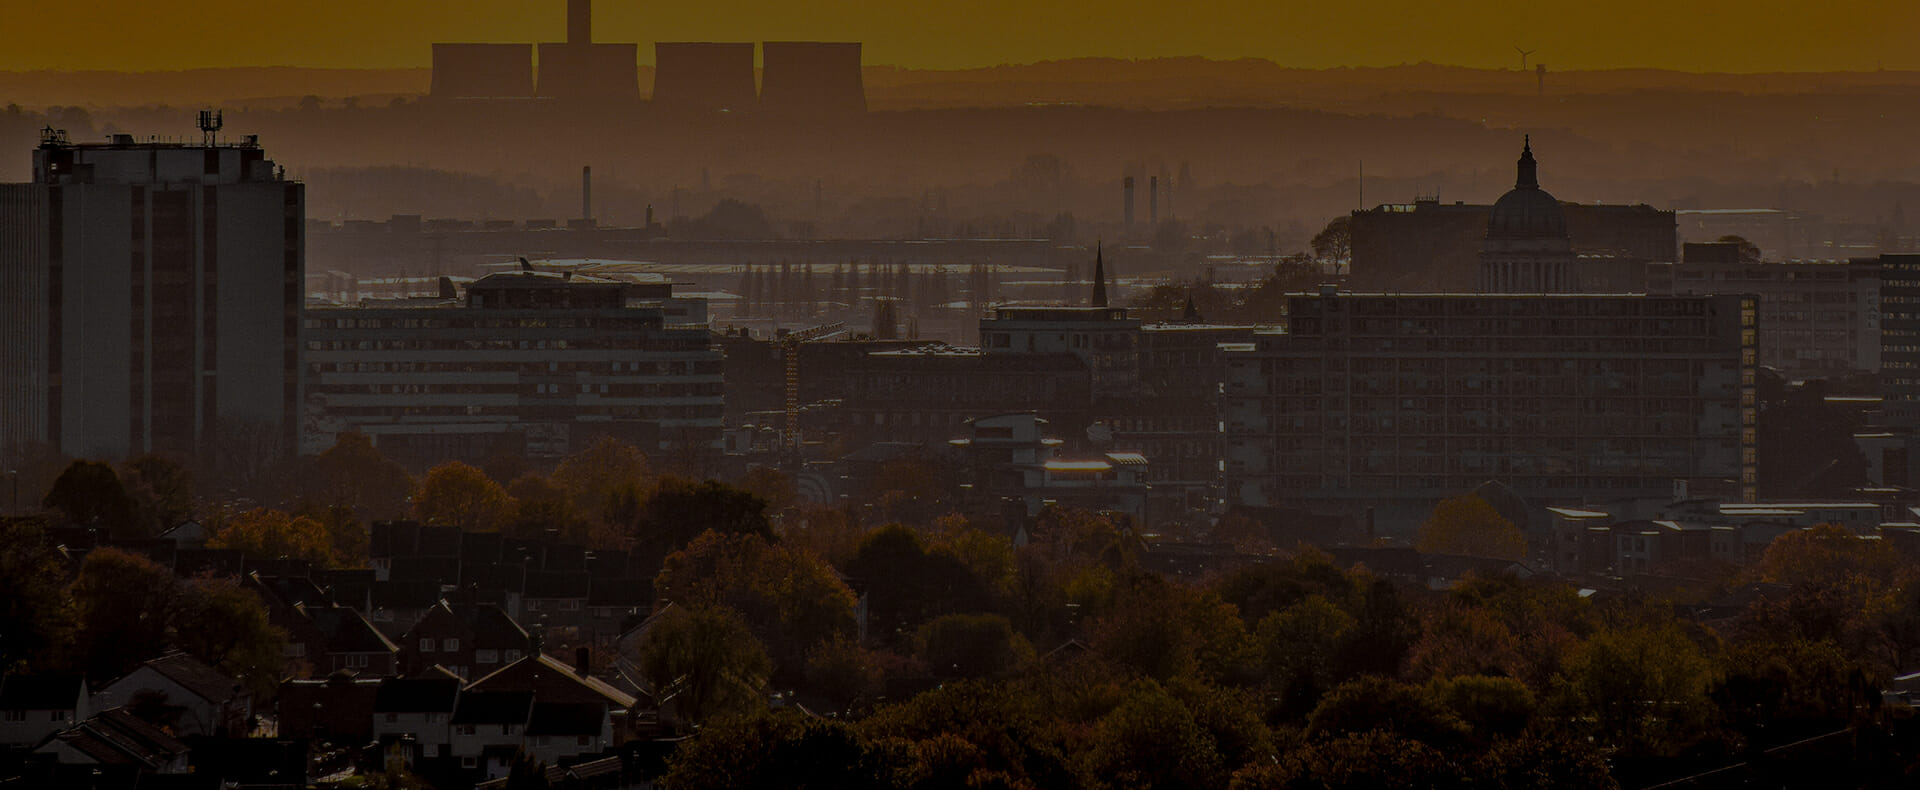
1141,84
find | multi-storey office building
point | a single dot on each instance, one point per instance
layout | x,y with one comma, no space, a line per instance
1376,400
532,362
1817,318
149,297
1900,338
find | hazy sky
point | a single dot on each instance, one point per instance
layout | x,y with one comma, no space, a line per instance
1694,35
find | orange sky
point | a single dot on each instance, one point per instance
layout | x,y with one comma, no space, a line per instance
1692,35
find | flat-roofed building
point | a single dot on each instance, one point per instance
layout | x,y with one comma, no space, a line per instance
1401,400
534,362
1900,338
149,297
1817,318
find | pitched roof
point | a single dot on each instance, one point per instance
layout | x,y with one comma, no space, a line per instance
493,707
197,677
556,584
405,594
116,737
347,631
566,718
492,628
417,695
554,681
620,592
41,692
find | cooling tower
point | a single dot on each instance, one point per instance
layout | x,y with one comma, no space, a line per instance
590,71
811,77
462,71
703,77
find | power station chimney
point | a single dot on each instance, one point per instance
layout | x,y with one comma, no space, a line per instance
586,192
579,21
1126,188
1153,201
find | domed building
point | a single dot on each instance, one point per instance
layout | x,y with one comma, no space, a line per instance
1527,249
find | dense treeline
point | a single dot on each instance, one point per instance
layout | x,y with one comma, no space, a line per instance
893,642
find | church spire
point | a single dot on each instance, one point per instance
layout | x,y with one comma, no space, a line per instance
1099,277
1529,171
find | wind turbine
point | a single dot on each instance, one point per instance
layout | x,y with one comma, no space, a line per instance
1523,56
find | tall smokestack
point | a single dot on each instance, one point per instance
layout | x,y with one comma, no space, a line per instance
1126,188
579,21
1153,201
586,192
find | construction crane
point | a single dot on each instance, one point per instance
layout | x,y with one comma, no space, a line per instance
790,354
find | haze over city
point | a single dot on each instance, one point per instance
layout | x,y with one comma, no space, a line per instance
563,395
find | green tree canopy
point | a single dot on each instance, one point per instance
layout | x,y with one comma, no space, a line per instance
125,603
705,663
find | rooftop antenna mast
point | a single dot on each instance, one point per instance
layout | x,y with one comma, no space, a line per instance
209,124
1523,56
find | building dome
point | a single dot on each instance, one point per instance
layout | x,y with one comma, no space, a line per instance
1527,211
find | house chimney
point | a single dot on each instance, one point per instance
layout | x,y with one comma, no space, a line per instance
582,662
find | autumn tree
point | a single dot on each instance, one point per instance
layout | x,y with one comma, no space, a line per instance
124,603
1467,525
791,598
1151,740
540,504
456,495
844,673
1300,646
910,584
772,485
679,510
603,476
972,646
353,474
226,626
1644,686
1166,630
1376,704
161,490
264,534
705,663
36,620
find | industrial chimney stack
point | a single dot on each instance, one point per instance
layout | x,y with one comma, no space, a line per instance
586,192
1126,188
1153,201
579,21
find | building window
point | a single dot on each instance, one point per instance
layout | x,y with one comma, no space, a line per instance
16,715
465,729
426,645
506,729
486,656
